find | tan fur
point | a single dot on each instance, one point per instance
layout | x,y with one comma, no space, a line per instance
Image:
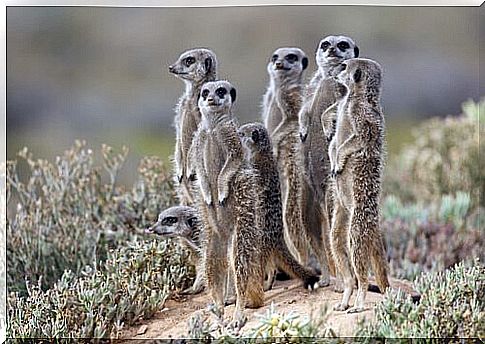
356,155
322,93
194,75
267,240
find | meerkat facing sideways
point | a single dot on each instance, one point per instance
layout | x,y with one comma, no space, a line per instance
194,67
282,103
266,239
182,223
321,93
356,155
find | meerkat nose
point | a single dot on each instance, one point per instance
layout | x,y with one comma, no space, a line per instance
279,64
170,68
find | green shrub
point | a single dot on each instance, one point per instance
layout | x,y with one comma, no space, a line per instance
68,214
444,159
133,283
452,305
432,236
273,327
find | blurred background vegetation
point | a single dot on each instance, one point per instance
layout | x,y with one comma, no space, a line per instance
79,263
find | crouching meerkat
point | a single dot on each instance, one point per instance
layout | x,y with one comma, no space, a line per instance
182,223
321,93
194,67
356,156
219,157
281,104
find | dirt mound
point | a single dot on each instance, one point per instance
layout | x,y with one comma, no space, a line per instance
172,321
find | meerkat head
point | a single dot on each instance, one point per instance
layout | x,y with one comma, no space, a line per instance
333,50
216,97
361,76
287,64
179,221
254,138
195,65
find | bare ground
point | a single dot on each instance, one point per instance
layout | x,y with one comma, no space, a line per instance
172,321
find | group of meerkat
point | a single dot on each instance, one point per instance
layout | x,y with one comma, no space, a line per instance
260,197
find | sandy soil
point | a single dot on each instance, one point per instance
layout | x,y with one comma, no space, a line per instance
172,321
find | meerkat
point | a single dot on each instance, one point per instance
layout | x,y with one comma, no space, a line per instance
321,93
356,156
194,67
268,208
281,105
219,157
183,224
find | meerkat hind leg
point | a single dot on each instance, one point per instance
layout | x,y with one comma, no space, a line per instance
339,242
217,272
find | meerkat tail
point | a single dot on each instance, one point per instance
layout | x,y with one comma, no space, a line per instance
289,264
380,266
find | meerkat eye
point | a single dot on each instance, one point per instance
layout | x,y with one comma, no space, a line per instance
221,92
344,66
205,93
274,58
292,58
343,45
189,61
324,46
169,220
192,221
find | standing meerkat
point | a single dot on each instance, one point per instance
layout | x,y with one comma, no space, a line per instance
182,223
282,103
194,67
356,155
262,244
321,93
219,157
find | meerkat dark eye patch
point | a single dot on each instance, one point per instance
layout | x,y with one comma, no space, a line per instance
233,94
343,45
255,136
292,58
208,64
304,63
221,92
356,51
169,220
357,75
189,61
192,222
274,58
324,46
205,94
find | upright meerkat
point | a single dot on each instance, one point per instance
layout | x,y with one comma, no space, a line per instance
356,155
261,244
194,67
321,93
281,105
182,223
219,157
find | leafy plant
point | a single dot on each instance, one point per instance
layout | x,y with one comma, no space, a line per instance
67,214
452,306
133,283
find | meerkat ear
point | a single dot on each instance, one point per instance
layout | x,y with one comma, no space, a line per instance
304,62
357,75
233,94
255,136
356,51
208,64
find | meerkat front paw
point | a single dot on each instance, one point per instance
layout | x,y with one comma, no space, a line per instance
222,198
180,177
207,199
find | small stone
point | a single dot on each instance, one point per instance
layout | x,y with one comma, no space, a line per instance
142,329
